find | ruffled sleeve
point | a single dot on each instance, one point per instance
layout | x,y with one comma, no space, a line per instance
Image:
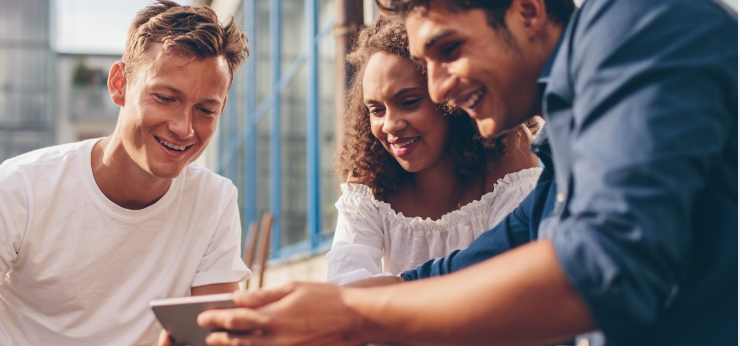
510,191
358,240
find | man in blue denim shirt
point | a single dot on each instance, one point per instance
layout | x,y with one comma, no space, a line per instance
636,212
641,113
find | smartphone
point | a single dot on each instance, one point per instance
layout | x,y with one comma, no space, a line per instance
179,316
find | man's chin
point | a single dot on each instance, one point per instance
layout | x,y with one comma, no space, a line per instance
490,128
487,128
165,172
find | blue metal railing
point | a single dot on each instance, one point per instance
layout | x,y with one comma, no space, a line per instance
247,135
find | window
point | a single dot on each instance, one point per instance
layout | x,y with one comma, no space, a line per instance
276,136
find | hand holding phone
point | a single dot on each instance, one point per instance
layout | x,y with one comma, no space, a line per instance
179,316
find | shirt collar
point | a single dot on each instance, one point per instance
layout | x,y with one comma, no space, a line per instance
545,75
541,145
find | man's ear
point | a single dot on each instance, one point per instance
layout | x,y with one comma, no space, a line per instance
531,14
117,83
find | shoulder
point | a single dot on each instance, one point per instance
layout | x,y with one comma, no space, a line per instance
516,177
46,155
647,26
358,192
357,198
20,175
195,174
45,161
200,181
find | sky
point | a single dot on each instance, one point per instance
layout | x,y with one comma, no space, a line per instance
96,26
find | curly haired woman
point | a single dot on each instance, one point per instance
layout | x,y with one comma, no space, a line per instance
421,181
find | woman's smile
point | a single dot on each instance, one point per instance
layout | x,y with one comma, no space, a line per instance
403,146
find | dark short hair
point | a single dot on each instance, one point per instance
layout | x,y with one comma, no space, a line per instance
559,11
189,30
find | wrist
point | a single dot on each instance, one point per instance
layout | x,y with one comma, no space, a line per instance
363,328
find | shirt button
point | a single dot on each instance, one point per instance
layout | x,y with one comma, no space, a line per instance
583,342
560,198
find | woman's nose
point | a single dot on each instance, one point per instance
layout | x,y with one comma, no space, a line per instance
394,122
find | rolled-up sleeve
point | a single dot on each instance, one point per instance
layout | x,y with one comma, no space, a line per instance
222,262
652,114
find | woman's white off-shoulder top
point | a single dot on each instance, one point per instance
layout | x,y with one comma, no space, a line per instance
368,229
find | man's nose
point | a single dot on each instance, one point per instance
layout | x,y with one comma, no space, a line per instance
440,81
182,123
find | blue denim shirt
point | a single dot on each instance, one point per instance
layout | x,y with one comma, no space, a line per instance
640,194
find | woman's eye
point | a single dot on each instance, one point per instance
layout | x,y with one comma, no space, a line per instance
375,111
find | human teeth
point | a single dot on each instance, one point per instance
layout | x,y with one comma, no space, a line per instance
472,100
170,145
401,145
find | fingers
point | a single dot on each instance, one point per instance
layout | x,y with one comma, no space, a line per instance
224,338
164,339
239,319
262,297
259,339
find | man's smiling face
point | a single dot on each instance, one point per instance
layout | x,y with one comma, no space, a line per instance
485,71
170,110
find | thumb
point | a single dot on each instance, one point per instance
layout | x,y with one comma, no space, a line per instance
260,298
164,339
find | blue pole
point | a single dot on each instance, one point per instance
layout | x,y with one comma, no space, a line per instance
275,128
232,131
250,75
250,145
220,144
312,127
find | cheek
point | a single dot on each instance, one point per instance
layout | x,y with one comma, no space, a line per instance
205,127
376,127
461,68
432,120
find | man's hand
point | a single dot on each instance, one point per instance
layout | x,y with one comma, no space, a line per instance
164,339
294,314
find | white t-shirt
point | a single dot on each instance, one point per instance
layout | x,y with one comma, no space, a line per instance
368,229
77,269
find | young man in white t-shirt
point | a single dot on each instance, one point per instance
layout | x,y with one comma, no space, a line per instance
90,232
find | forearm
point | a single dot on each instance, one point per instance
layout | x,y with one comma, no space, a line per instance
214,289
376,281
520,297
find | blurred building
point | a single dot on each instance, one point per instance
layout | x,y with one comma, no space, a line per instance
26,77
84,107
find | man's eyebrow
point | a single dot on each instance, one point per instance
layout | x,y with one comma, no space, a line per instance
174,90
179,92
434,39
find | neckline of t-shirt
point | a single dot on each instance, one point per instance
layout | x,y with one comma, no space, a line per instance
499,187
84,161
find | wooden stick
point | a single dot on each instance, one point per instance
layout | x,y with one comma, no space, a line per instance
264,250
249,248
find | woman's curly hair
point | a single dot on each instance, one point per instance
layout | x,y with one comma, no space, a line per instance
361,157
